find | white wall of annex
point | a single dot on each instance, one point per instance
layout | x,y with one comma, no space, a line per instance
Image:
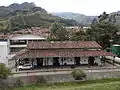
4,53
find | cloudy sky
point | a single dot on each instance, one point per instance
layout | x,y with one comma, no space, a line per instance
87,7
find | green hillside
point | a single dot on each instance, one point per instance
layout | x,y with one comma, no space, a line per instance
81,18
26,17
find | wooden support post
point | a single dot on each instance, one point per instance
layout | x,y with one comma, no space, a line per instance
16,64
88,62
101,61
113,60
62,61
104,60
32,63
45,61
74,62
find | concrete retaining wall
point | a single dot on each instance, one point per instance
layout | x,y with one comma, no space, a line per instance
63,77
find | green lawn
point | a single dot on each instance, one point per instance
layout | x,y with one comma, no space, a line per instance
107,84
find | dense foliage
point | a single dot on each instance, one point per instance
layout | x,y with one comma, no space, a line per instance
103,30
79,36
4,72
58,32
61,33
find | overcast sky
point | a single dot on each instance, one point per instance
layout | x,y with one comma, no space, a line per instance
87,7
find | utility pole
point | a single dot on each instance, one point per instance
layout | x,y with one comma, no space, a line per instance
111,41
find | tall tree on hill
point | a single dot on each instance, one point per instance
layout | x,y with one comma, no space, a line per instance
79,36
58,32
103,29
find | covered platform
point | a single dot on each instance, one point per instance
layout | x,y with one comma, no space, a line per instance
56,54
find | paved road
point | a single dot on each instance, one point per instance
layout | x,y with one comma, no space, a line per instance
63,72
41,73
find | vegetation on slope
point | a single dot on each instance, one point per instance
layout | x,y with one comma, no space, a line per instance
83,19
20,16
103,30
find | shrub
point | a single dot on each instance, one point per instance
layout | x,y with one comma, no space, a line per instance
78,74
3,85
4,72
41,79
18,83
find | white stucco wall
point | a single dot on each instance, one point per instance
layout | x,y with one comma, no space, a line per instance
69,61
28,37
4,52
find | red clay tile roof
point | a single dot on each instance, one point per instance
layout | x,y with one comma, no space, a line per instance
62,53
43,32
62,44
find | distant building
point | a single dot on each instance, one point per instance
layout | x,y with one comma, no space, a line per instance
72,27
18,43
86,27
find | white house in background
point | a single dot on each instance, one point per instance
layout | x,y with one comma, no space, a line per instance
72,27
18,43
9,47
4,51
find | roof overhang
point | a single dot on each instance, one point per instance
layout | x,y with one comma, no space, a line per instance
61,53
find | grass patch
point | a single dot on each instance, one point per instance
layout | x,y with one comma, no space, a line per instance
104,84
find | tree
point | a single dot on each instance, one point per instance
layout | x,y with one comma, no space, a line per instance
4,72
58,32
78,74
79,36
103,29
